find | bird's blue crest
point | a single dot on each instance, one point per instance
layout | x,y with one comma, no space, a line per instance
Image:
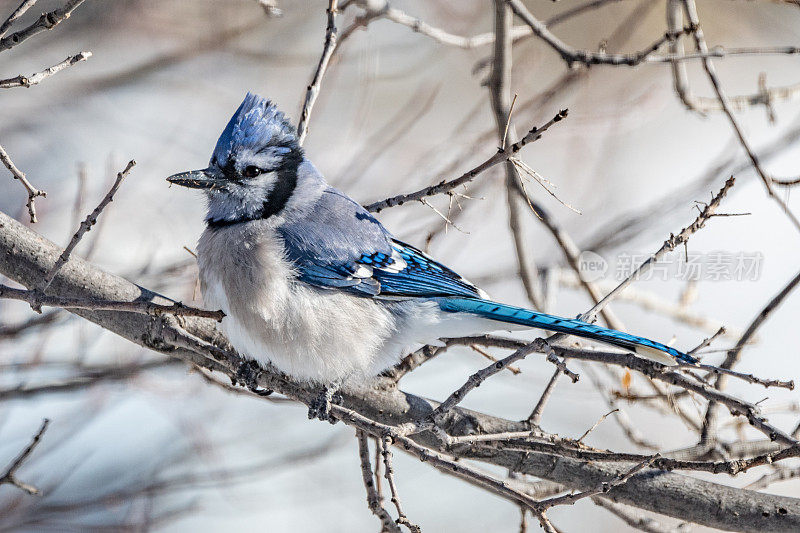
255,125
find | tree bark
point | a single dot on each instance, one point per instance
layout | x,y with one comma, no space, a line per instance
25,257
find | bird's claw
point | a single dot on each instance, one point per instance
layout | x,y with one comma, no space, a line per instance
247,374
320,407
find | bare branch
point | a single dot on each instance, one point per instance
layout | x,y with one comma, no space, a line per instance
33,192
536,415
698,501
653,370
85,226
786,183
479,377
87,377
10,474
313,89
385,445
691,12
774,303
732,357
669,245
602,488
650,301
373,500
572,256
35,79
708,340
594,426
634,519
47,21
17,13
37,299
571,55
444,186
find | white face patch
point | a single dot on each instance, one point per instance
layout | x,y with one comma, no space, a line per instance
251,176
240,200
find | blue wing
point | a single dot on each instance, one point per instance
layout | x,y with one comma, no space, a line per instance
344,247
410,272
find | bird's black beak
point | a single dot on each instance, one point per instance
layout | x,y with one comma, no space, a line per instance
198,179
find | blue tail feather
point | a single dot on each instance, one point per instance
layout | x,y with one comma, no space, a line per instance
533,319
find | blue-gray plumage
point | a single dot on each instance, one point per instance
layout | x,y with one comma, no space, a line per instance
314,284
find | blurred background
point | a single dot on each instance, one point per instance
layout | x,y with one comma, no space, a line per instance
141,443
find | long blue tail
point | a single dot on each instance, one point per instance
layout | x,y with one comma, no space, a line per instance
523,317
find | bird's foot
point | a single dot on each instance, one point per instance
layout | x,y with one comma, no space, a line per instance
247,374
320,407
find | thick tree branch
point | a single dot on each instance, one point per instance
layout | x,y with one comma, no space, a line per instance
666,493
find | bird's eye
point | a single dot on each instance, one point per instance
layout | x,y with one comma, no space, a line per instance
251,171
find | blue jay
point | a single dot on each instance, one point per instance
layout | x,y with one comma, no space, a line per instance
313,284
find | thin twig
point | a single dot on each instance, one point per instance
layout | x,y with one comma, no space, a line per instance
10,331
35,79
33,192
781,474
445,186
384,10
774,303
556,446
733,356
10,474
377,469
721,371
691,12
572,255
536,415
373,500
437,460
594,426
634,519
502,107
708,340
385,448
513,369
653,370
571,55
85,226
669,245
313,89
86,378
786,182
648,301
547,526
36,298
602,488
482,375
